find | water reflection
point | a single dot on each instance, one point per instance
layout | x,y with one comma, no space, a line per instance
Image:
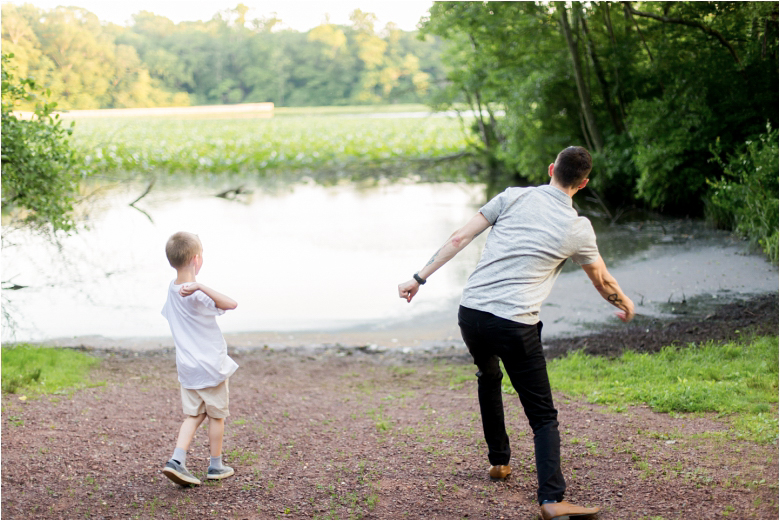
303,257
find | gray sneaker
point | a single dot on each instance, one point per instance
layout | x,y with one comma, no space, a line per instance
215,473
179,474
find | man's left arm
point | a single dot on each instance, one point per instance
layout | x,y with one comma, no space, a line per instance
457,241
608,288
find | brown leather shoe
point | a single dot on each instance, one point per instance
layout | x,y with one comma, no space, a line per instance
564,510
500,472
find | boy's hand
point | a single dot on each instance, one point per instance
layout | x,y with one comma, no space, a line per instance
188,289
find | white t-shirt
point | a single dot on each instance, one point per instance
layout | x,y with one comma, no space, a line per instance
535,229
201,352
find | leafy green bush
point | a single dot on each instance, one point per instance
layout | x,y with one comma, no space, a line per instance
670,135
39,172
745,199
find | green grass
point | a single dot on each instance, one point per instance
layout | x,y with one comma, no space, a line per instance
242,456
343,145
350,109
736,378
42,370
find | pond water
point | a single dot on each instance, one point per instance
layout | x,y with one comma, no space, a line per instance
311,258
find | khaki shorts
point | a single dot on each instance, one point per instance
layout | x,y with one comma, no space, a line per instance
211,400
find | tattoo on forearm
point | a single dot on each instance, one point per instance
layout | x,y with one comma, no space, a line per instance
614,299
434,257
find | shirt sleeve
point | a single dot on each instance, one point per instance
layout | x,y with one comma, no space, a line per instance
164,310
588,251
206,305
493,208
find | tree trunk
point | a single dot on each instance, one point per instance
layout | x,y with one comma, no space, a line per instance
617,122
608,23
585,131
630,17
615,67
582,89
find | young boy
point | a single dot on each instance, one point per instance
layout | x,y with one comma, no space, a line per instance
201,357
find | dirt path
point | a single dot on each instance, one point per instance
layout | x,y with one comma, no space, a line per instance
348,434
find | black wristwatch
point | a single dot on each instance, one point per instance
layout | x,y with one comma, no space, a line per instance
419,279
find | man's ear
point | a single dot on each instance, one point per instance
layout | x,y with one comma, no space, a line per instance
583,184
551,168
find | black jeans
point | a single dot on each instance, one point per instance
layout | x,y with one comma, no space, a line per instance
490,338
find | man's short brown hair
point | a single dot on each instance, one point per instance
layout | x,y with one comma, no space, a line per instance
181,248
572,166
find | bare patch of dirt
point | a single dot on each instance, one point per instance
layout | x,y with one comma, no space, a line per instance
349,434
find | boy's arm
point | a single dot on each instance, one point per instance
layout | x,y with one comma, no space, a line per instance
220,300
608,287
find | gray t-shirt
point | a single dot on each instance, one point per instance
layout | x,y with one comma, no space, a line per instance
535,229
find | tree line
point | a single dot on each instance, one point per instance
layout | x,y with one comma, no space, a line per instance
88,64
649,92
678,101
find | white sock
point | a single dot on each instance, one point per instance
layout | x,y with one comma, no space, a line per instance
215,463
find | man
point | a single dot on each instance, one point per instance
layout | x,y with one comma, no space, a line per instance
535,229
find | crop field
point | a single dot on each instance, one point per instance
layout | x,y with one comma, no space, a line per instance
340,143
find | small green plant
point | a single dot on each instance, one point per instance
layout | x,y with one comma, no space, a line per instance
152,506
403,371
242,456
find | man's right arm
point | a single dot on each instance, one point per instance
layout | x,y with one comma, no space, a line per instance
457,241
608,288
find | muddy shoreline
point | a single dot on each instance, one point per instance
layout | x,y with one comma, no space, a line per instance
755,316
719,322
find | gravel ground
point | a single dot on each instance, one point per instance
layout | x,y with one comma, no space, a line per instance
336,432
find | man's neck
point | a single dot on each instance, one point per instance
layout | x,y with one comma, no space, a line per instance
565,189
185,275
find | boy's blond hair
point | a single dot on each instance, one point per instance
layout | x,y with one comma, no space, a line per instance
181,248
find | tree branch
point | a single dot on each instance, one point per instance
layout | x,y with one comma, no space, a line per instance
628,7
690,23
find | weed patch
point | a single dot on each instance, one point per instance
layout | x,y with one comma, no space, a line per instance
737,378
43,370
